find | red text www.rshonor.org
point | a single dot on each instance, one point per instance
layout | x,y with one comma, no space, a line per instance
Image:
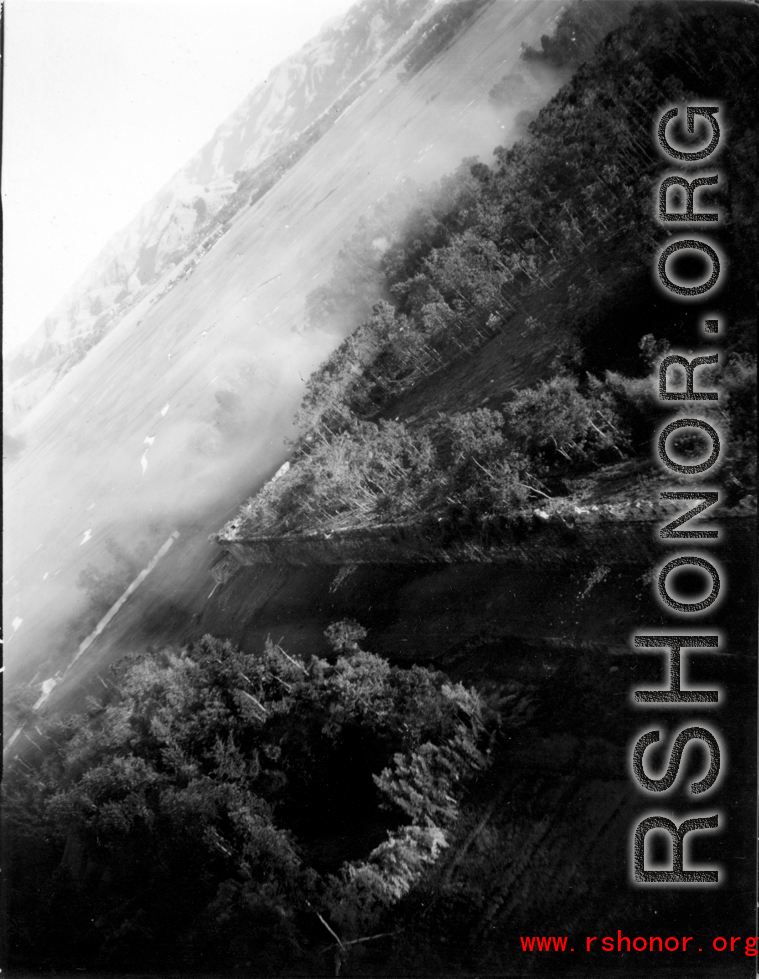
653,943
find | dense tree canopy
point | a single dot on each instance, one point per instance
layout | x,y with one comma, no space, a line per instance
220,808
569,211
223,803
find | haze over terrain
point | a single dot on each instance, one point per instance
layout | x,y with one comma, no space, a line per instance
157,396
103,103
370,710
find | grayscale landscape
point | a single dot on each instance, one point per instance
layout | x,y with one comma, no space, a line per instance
332,508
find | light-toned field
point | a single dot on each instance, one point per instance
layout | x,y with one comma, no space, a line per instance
89,474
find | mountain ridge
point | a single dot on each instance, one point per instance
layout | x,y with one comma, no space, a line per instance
179,412
183,212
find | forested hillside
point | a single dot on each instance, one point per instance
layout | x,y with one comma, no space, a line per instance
558,237
339,813
188,803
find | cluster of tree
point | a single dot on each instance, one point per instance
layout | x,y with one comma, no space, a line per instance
472,470
439,32
282,815
359,278
357,281
568,209
269,811
579,28
232,807
366,472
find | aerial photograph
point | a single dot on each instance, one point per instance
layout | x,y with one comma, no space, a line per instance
379,489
